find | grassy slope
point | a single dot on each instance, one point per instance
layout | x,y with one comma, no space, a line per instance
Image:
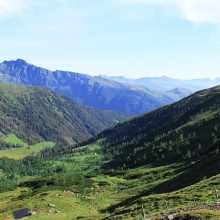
15,153
25,150
13,139
22,152
164,137
118,194
40,146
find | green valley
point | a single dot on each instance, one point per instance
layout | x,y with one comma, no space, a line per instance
162,163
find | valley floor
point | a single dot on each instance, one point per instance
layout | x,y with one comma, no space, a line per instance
116,195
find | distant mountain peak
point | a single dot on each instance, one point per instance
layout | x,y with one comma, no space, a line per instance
18,61
22,62
162,83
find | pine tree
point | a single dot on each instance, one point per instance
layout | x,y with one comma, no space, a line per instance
181,137
188,154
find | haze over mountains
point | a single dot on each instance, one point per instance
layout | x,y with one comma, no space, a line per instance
93,91
205,82
166,83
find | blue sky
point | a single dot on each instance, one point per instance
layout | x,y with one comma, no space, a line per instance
132,38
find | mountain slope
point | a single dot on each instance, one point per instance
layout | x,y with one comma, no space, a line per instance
88,90
169,151
159,83
179,93
185,130
36,114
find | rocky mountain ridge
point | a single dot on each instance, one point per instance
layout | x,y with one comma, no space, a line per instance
89,90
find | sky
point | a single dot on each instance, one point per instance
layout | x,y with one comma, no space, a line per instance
132,38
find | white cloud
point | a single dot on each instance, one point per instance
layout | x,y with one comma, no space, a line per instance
200,11
13,7
197,11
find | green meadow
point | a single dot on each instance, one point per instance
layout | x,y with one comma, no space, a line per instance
114,195
24,150
13,139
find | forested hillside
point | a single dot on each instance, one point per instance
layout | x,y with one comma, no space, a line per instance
187,130
89,90
37,114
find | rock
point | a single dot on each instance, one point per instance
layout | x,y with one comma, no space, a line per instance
52,205
170,217
59,195
32,212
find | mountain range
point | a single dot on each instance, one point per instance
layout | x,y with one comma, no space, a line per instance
165,160
89,90
165,83
204,82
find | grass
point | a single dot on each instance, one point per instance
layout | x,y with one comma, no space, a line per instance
154,203
91,148
115,194
119,195
40,146
67,206
8,205
13,139
108,179
199,215
19,153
